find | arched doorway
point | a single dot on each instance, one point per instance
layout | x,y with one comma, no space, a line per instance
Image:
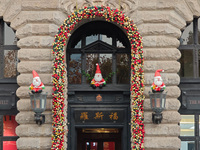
136,86
99,117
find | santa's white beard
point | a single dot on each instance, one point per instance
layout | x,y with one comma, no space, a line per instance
36,81
98,77
158,83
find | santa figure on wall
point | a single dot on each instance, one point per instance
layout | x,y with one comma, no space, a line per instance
158,84
37,86
98,80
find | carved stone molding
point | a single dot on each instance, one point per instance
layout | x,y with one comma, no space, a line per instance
127,6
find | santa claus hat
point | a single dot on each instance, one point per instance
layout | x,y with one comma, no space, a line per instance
97,68
157,73
35,74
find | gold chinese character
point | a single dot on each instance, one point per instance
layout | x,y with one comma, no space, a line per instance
84,116
113,116
99,115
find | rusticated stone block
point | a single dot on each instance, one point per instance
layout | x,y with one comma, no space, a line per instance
27,117
161,53
168,117
37,29
22,91
162,130
160,41
168,78
159,29
54,17
25,105
166,143
40,5
38,66
179,6
3,6
162,16
33,143
194,6
13,10
35,54
168,66
26,79
171,104
172,91
33,130
36,41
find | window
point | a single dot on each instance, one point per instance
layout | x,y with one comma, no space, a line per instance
189,85
190,132
190,50
8,86
103,43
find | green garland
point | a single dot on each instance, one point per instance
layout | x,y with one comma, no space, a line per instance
137,75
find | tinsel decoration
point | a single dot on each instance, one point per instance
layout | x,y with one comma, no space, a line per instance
137,75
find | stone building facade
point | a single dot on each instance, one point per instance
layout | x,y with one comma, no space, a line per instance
160,23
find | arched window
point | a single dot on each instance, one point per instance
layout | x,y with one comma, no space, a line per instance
98,42
190,86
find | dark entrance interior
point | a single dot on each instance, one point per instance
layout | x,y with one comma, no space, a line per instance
99,139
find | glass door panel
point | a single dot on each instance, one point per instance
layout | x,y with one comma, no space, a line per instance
187,125
108,145
91,146
187,145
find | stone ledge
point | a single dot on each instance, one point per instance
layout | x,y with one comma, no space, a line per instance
168,117
169,143
160,42
161,53
167,66
38,66
162,130
33,130
36,42
34,143
35,54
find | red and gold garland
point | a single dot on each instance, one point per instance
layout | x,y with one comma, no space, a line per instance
59,73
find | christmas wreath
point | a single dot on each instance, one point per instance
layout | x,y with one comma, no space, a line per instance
59,73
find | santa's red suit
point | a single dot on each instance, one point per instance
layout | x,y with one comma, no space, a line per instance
37,86
98,80
158,84
98,83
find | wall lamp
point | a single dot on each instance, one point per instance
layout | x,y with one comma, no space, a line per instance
38,105
157,101
157,97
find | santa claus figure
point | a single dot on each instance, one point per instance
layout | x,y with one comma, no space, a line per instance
37,86
158,85
98,80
